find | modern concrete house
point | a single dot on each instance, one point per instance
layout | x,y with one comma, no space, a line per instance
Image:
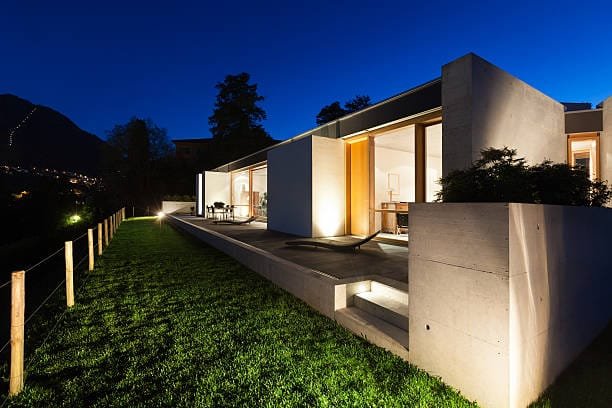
502,297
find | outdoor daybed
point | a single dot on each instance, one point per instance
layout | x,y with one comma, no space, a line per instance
235,222
353,244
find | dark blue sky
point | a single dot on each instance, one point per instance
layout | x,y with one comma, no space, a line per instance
102,62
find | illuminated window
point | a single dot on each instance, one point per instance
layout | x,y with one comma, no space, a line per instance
240,193
583,153
433,161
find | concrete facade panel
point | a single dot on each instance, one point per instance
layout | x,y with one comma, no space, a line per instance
290,188
469,364
453,234
484,106
458,288
328,187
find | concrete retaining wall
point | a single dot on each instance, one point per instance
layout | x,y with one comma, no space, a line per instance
504,296
458,288
560,290
179,207
313,287
484,106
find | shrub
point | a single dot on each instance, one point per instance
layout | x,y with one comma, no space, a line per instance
499,176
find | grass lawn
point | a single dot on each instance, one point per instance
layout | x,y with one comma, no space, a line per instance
166,321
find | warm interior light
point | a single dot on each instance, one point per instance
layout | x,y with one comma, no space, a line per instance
161,214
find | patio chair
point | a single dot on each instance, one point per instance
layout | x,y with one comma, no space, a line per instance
235,222
354,244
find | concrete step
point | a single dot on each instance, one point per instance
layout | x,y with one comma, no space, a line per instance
374,330
383,307
390,292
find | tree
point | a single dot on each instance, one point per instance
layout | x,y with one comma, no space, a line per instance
330,112
334,111
135,172
359,102
498,176
132,135
236,120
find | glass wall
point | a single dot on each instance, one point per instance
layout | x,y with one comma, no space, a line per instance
394,177
433,161
240,193
260,191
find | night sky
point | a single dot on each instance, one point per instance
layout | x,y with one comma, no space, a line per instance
102,62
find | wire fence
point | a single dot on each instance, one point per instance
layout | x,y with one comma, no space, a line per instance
50,273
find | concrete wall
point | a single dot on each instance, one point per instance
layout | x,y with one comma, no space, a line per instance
458,287
560,290
504,296
313,287
484,106
605,140
306,187
216,187
178,207
199,189
328,187
289,188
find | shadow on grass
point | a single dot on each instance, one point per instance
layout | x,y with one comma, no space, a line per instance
587,382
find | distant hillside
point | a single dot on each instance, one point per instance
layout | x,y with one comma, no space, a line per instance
44,137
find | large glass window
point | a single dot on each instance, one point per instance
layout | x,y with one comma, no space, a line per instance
433,161
260,191
394,177
240,193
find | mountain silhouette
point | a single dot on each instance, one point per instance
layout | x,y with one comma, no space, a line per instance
35,135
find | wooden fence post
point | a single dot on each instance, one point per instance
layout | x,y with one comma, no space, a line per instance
105,232
17,331
99,238
69,270
90,246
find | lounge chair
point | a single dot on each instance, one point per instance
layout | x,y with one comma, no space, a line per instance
331,244
236,222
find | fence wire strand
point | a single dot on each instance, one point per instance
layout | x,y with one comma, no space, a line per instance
44,301
57,322
79,237
60,318
45,259
5,345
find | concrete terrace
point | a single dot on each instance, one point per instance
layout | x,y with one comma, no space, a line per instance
376,258
365,291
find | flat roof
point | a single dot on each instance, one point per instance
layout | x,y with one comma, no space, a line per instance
418,99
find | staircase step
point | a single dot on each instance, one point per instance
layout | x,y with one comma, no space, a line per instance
389,291
384,308
374,330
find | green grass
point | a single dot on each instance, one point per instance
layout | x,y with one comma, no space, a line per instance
166,321
587,382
